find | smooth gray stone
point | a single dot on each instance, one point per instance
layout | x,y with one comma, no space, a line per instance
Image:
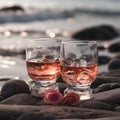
101,32
102,59
117,108
7,112
114,47
113,73
92,104
114,64
106,86
20,99
111,97
13,87
104,79
106,118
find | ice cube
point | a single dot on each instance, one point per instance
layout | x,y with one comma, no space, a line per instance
83,63
71,55
49,58
68,62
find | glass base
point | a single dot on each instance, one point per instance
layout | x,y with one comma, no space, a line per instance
37,89
85,92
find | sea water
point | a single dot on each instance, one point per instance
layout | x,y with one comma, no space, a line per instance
60,14
51,17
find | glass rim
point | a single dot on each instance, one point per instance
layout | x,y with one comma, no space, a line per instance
79,42
42,38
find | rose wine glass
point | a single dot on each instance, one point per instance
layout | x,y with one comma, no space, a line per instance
79,66
43,64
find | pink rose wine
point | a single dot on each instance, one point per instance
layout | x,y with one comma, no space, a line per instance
43,71
79,75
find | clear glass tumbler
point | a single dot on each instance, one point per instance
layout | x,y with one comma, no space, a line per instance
43,64
79,66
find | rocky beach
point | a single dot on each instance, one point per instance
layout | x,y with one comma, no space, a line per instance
76,20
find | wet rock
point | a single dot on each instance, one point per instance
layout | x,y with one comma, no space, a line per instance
92,104
101,32
107,118
13,87
106,86
103,60
113,73
104,79
20,99
117,108
117,56
114,47
36,116
114,64
1,98
59,112
111,97
12,8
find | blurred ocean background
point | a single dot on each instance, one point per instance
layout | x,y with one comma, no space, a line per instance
55,18
58,15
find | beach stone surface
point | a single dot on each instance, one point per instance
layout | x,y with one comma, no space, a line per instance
106,86
103,60
112,73
114,64
111,97
114,47
104,79
54,112
20,99
93,104
105,104
13,87
101,32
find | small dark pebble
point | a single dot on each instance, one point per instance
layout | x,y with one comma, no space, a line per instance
13,87
13,8
101,32
62,87
114,64
103,60
114,47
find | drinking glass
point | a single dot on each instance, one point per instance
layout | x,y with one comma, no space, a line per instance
43,65
79,66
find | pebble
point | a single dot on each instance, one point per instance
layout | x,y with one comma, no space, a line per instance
103,60
114,47
114,64
106,86
20,99
101,32
13,87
